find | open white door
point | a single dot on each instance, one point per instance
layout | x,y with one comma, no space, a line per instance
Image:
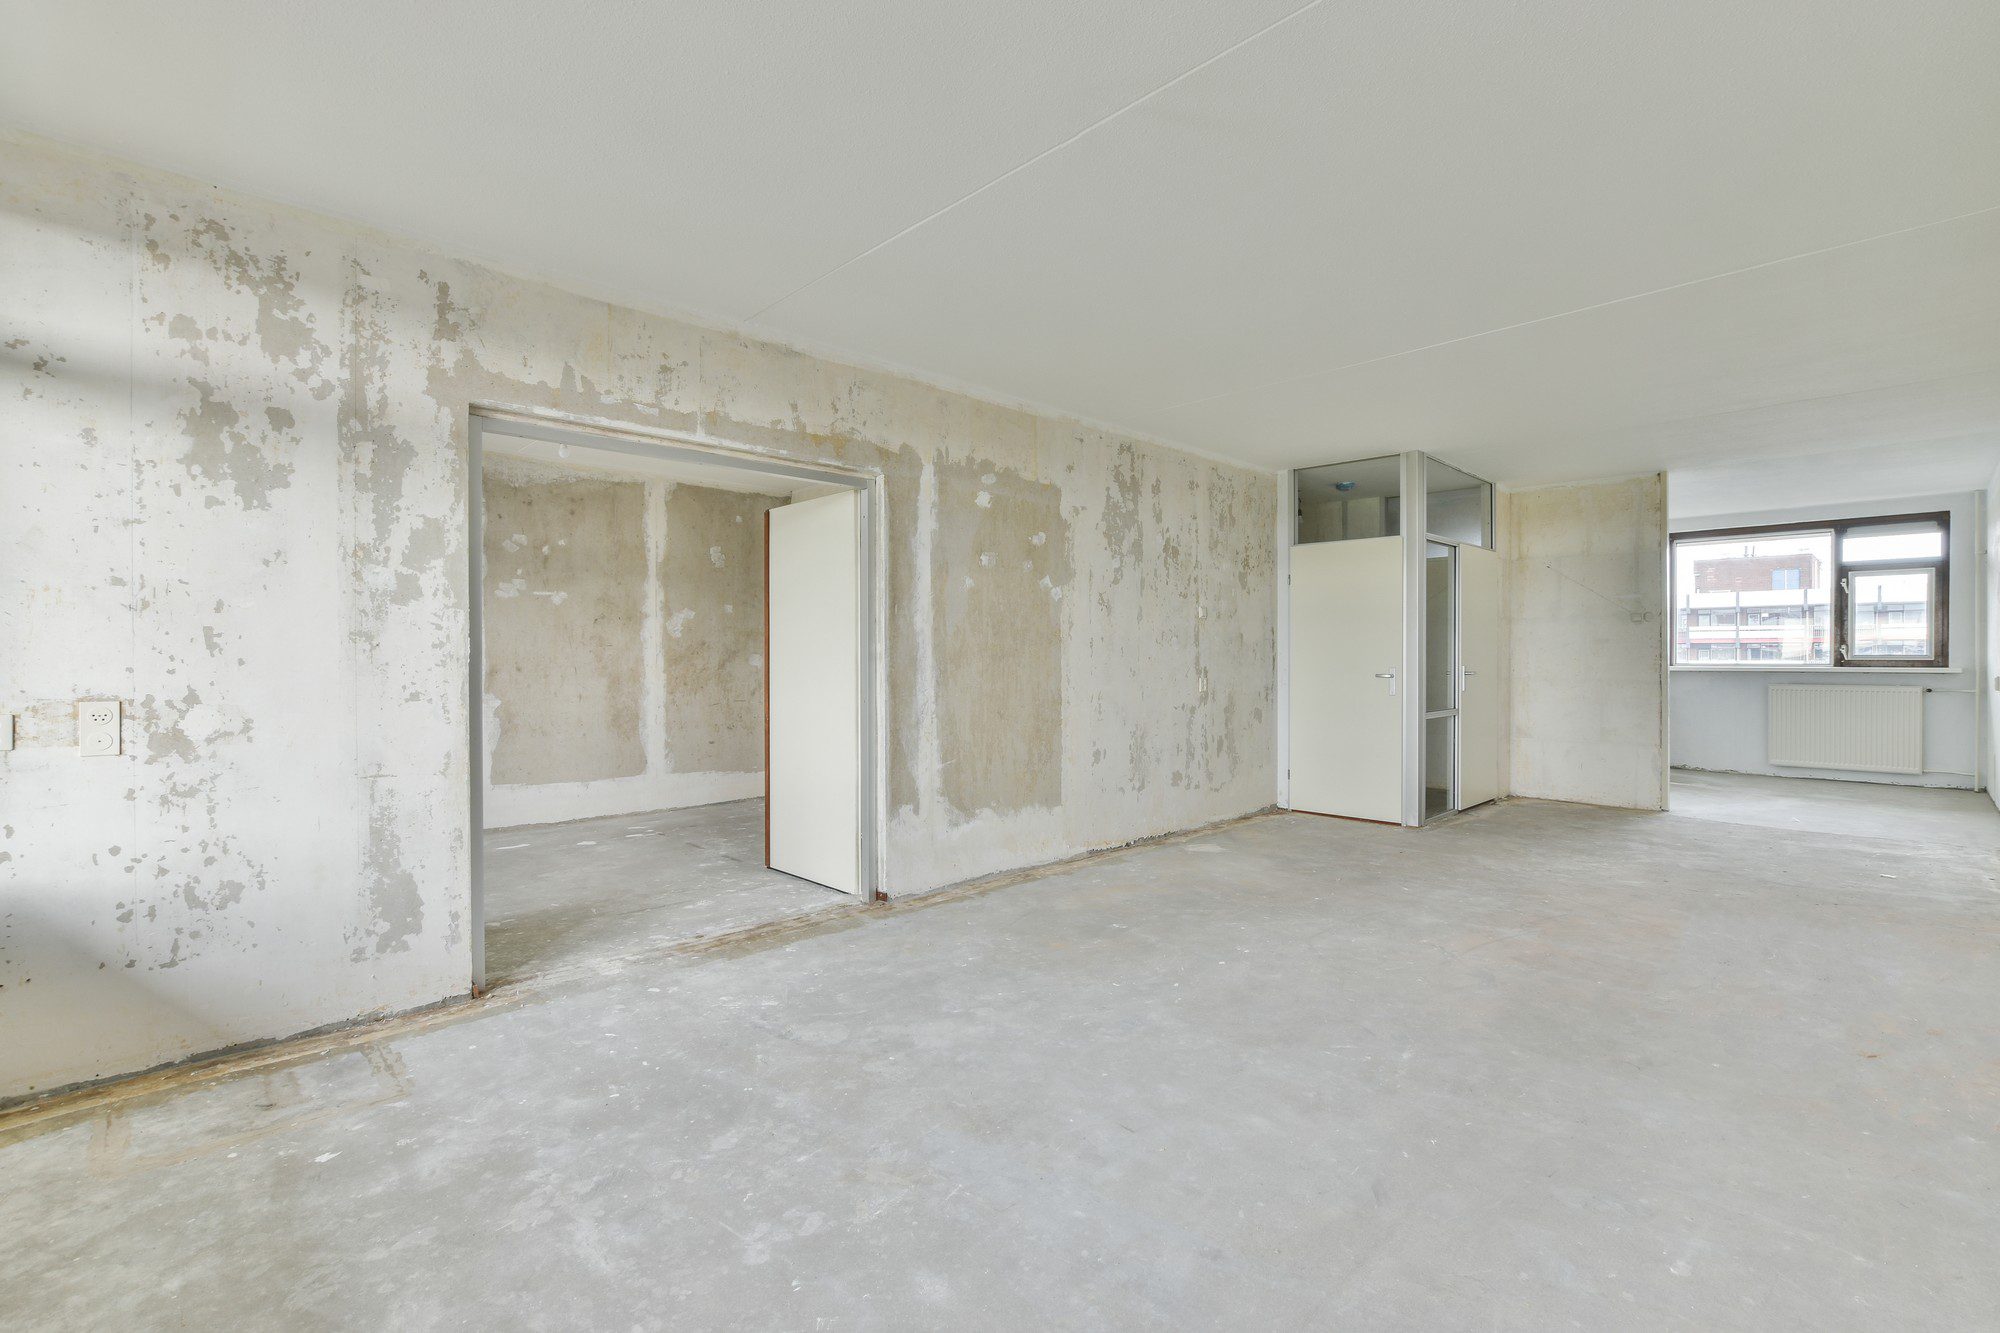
812,664
1479,692
1346,667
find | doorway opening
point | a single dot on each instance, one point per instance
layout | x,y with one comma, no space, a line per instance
673,661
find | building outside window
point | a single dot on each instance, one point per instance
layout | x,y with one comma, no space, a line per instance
1861,592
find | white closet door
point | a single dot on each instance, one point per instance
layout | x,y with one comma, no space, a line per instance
812,666
1479,655
1346,666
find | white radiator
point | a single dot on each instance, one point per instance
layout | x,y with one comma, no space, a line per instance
1871,728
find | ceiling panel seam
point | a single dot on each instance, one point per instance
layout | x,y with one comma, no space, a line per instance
1050,151
1580,310
1969,376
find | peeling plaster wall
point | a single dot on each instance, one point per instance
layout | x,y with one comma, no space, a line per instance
711,578
624,633
567,594
1586,647
1012,542
234,443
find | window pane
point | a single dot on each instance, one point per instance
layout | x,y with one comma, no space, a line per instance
1345,501
1753,599
1440,627
1437,765
1892,541
1889,613
1458,504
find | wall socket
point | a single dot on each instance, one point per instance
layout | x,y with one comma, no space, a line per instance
97,726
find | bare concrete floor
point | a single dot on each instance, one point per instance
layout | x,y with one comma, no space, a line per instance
1856,809
558,895
1542,1066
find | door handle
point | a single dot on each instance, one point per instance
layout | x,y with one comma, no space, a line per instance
1389,676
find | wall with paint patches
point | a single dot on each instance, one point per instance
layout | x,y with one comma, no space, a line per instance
1586,596
234,445
624,636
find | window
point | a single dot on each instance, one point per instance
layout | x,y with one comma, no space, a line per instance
1458,507
1893,592
1348,501
1758,597
1853,593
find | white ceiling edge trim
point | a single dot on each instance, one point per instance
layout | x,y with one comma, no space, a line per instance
87,154
1922,502
1514,488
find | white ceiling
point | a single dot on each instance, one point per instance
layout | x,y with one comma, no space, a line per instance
1549,240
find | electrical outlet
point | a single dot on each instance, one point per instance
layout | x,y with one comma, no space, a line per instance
97,726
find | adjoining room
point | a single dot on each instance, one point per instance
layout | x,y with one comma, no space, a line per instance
626,649
1829,656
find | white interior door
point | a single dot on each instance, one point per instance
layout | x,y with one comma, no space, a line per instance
1479,694
812,663
1346,668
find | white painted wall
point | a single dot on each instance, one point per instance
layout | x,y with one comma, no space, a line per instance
1989,681
1719,713
1586,682
511,806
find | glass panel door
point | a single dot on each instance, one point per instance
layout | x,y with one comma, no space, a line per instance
1440,678
1439,737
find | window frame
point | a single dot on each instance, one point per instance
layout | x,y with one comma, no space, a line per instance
1838,610
1939,566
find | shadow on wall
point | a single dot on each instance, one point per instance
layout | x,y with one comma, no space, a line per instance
59,981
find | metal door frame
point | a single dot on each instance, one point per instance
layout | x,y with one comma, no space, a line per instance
1455,712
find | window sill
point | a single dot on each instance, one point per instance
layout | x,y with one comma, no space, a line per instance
1748,668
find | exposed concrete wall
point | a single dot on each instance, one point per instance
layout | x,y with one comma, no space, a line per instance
624,624
567,594
711,578
234,496
1720,714
1586,647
